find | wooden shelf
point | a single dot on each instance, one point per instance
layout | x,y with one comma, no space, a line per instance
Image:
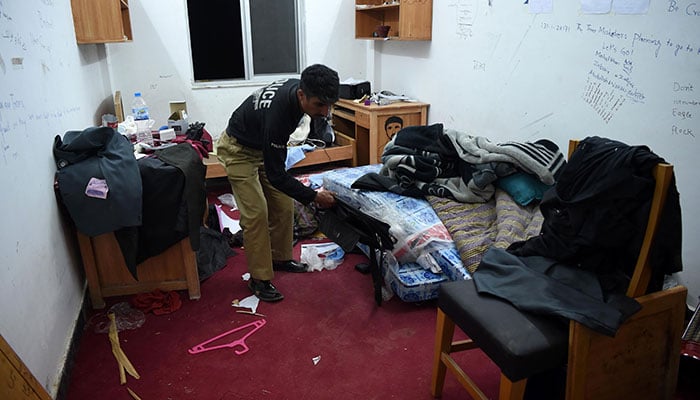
101,21
370,7
408,19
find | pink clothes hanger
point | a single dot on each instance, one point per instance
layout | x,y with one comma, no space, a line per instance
200,348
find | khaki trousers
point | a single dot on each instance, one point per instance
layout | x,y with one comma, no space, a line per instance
267,215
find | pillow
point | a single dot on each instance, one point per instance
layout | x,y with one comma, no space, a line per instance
522,187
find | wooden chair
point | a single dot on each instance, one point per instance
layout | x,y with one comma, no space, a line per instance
641,361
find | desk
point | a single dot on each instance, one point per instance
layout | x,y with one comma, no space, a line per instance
373,126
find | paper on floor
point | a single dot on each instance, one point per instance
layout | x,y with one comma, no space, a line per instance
225,221
250,302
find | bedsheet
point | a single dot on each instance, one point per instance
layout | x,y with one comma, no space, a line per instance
475,227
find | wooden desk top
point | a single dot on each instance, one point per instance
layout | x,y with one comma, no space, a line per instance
376,107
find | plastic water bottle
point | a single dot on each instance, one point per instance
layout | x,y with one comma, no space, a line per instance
139,108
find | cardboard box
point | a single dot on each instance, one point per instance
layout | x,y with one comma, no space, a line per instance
178,119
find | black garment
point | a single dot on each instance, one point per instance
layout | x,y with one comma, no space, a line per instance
164,214
429,138
213,252
185,158
102,153
544,286
348,226
382,183
264,121
596,215
594,224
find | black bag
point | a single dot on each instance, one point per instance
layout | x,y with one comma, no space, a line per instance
354,91
348,226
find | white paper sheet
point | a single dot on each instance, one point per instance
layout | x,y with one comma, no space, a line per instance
630,6
541,6
250,302
595,6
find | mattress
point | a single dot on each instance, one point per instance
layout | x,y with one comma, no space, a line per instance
424,255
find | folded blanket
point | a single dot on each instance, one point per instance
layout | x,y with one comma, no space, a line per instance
541,158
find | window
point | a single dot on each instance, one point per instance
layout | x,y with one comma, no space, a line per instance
243,40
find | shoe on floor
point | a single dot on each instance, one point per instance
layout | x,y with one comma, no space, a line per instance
265,290
290,266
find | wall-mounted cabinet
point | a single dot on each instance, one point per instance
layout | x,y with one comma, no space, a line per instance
101,21
407,19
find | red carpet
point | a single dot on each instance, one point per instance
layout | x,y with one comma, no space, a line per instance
366,351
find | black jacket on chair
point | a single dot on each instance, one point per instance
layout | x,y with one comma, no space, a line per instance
594,223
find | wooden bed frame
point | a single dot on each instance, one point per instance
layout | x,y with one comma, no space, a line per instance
107,274
343,150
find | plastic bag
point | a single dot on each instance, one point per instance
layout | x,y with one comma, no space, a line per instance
322,256
229,200
125,316
128,126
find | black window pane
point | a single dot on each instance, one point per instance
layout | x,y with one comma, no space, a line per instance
216,39
274,36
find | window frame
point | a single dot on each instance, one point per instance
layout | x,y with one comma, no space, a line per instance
250,78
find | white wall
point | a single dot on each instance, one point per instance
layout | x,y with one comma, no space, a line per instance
503,73
161,51
49,86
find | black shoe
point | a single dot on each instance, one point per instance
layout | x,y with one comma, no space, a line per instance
289,266
265,290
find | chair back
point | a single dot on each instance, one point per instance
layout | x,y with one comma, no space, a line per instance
641,361
663,175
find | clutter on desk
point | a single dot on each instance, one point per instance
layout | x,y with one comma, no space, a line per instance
110,120
352,88
178,119
142,133
385,97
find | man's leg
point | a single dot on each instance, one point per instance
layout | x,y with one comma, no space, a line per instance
242,166
280,210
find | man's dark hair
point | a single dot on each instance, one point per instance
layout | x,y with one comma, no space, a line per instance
320,81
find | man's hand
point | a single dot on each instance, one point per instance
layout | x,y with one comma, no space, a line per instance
324,199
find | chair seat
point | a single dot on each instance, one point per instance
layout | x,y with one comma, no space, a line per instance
521,344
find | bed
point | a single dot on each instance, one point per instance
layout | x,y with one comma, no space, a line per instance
438,239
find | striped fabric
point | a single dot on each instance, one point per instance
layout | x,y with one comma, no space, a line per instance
477,227
541,158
